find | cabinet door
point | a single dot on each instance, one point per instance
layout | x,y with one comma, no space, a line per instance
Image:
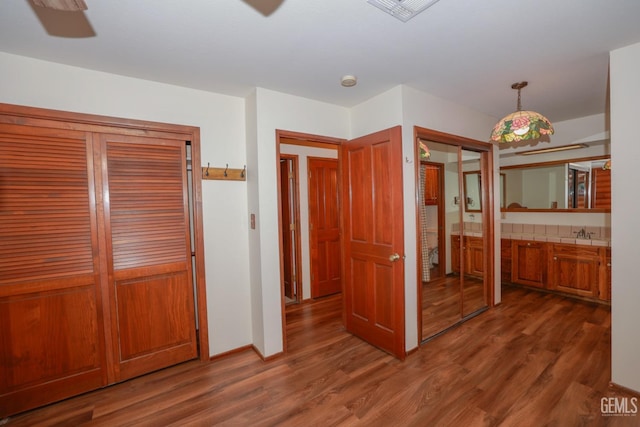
575,269
146,213
51,328
474,256
431,185
529,263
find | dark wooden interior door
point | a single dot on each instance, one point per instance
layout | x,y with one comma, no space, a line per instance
287,243
324,224
373,239
51,327
146,219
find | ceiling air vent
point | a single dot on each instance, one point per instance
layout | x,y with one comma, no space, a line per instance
402,9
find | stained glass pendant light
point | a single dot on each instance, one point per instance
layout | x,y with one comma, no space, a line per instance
521,125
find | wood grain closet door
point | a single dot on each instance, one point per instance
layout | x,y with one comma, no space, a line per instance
147,233
51,328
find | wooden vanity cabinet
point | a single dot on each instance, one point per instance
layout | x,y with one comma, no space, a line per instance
529,263
575,269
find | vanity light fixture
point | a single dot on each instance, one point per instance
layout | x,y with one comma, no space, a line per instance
552,149
402,9
521,125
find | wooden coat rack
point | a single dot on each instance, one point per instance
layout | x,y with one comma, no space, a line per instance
224,173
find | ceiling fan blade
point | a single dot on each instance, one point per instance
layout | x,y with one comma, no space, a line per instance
64,5
60,23
265,7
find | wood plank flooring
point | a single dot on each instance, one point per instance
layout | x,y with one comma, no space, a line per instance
535,360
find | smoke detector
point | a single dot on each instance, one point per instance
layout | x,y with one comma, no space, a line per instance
348,80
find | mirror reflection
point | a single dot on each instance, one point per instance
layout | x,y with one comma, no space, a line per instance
451,250
579,184
472,186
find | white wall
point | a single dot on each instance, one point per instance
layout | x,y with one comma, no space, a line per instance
274,111
303,154
253,207
625,176
556,218
35,83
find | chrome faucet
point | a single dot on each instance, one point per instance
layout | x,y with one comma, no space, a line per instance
582,234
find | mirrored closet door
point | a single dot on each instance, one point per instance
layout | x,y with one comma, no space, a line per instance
451,240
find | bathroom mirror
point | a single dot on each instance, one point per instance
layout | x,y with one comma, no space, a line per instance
472,192
580,185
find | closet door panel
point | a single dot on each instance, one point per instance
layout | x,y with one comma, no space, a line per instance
150,276
52,336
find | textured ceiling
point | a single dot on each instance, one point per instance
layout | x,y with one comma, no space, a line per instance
466,51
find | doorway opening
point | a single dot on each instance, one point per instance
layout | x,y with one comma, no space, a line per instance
290,215
455,230
295,153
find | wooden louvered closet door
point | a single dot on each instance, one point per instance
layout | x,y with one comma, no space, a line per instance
146,218
95,261
51,323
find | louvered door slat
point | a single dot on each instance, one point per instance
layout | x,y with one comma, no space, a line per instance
35,202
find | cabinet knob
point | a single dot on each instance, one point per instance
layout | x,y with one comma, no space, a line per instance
528,244
608,264
555,258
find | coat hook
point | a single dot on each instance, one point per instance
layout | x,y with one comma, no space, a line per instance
243,173
225,171
207,172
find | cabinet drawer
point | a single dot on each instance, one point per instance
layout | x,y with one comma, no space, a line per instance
575,250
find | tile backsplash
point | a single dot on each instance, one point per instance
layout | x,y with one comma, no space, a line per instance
595,236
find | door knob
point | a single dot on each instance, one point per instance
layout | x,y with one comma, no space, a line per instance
394,257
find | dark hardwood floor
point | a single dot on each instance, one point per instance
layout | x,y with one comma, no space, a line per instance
535,360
